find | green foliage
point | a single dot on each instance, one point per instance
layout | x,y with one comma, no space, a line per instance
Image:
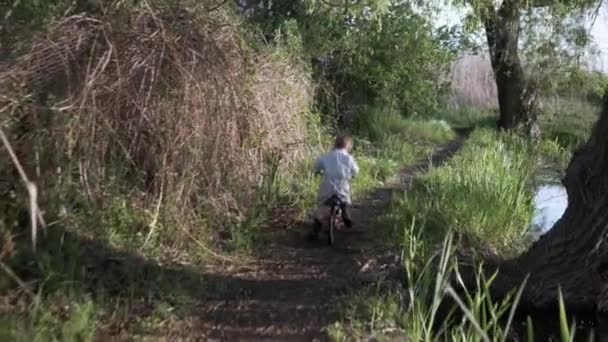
469,117
381,51
398,58
288,40
244,232
20,19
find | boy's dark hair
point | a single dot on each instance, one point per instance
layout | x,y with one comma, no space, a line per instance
342,141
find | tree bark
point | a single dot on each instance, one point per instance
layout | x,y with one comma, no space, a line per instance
517,98
573,256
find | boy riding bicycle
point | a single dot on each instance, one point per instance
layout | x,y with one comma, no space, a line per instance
337,167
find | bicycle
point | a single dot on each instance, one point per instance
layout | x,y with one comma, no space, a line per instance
335,205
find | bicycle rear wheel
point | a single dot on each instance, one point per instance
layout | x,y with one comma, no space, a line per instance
332,227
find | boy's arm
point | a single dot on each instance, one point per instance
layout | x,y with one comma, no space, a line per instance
354,168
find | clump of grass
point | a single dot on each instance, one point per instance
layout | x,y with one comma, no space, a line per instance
75,321
553,160
377,124
483,193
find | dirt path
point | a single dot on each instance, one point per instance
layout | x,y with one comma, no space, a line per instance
290,292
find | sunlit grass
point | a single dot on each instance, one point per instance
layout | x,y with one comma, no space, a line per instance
470,117
483,193
378,124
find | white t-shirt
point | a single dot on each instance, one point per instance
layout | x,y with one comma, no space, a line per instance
338,167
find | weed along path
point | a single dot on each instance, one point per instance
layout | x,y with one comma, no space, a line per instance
291,291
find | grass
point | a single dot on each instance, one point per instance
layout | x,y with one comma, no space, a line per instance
377,124
419,313
482,194
431,308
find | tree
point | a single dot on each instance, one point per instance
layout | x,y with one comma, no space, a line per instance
502,21
573,256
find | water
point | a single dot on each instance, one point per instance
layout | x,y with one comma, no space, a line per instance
550,202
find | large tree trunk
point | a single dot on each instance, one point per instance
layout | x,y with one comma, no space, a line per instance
517,99
573,256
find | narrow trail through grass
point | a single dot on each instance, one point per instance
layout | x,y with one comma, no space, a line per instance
292,289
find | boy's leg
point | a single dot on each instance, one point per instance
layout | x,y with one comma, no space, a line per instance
319,217
348,222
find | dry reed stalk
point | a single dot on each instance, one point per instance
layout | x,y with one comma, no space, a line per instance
35,213
472,82
165,102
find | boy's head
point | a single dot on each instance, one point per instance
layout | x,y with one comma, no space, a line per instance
344,142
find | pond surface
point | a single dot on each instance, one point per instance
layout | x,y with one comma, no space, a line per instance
550,202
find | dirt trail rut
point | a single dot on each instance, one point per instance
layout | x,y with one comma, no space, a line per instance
290,292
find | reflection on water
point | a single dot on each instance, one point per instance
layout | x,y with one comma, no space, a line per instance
550,202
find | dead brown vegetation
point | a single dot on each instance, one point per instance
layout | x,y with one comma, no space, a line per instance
167,106
472,82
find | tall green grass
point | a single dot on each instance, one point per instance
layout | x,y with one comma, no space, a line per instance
429,308
483,193
470,117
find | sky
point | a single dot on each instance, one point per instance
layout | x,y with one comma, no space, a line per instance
599,32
